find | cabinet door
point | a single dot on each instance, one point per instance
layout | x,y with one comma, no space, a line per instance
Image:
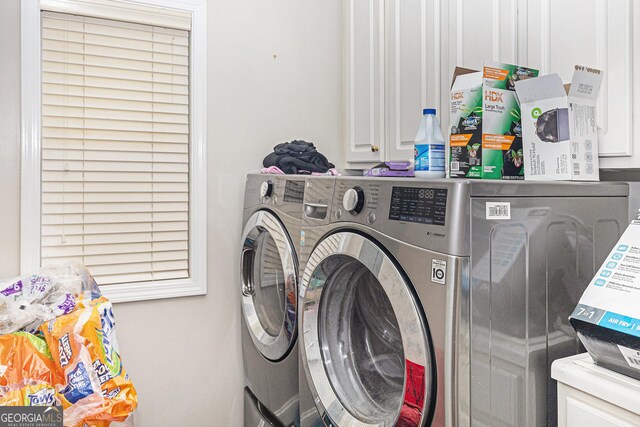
412,71
482,30
596,33
479,31
364,81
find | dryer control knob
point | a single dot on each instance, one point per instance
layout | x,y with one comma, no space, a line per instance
266,188
353,200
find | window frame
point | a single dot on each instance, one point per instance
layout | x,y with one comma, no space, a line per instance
31,157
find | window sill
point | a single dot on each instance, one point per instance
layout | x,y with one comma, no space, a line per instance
129,292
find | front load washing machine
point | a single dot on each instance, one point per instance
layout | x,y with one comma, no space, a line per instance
444,302
269,284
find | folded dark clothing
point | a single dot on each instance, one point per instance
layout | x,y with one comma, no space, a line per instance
292,165
295,156
295,148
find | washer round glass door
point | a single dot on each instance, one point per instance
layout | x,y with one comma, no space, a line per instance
269,285
366,349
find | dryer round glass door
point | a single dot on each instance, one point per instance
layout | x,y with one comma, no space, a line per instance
269,285
366,348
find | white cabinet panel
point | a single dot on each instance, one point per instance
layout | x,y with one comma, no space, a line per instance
616,96
474,22
413,70
580,414
479,31
485,30
593,396
595,33
365,88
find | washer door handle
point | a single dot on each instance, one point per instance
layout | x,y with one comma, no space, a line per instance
248,288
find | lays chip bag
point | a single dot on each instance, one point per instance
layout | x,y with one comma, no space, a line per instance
97,390
24,358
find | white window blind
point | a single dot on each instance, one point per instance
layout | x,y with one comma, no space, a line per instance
115,148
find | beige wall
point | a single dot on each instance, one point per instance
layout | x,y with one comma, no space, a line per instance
274,74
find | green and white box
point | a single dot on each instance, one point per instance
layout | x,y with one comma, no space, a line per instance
465,138
502,153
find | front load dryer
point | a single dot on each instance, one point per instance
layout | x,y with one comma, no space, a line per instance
269,286
444,302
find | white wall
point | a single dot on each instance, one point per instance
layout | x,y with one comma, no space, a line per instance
275,74
10,137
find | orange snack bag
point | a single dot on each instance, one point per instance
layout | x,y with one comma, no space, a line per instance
36,394
84,346
25,357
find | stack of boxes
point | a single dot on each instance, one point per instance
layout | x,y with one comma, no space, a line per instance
486,131
553,137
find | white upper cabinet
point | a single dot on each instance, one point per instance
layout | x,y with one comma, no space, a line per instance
482,30
597,33
364,81
412,71
553,36
401,55
408,42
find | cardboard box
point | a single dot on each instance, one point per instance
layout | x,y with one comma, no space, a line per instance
560,136
401,168
607,318
465,139
502,153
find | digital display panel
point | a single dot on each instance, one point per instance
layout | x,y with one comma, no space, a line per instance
419,204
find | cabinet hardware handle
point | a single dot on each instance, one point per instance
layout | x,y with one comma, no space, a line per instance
374,148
